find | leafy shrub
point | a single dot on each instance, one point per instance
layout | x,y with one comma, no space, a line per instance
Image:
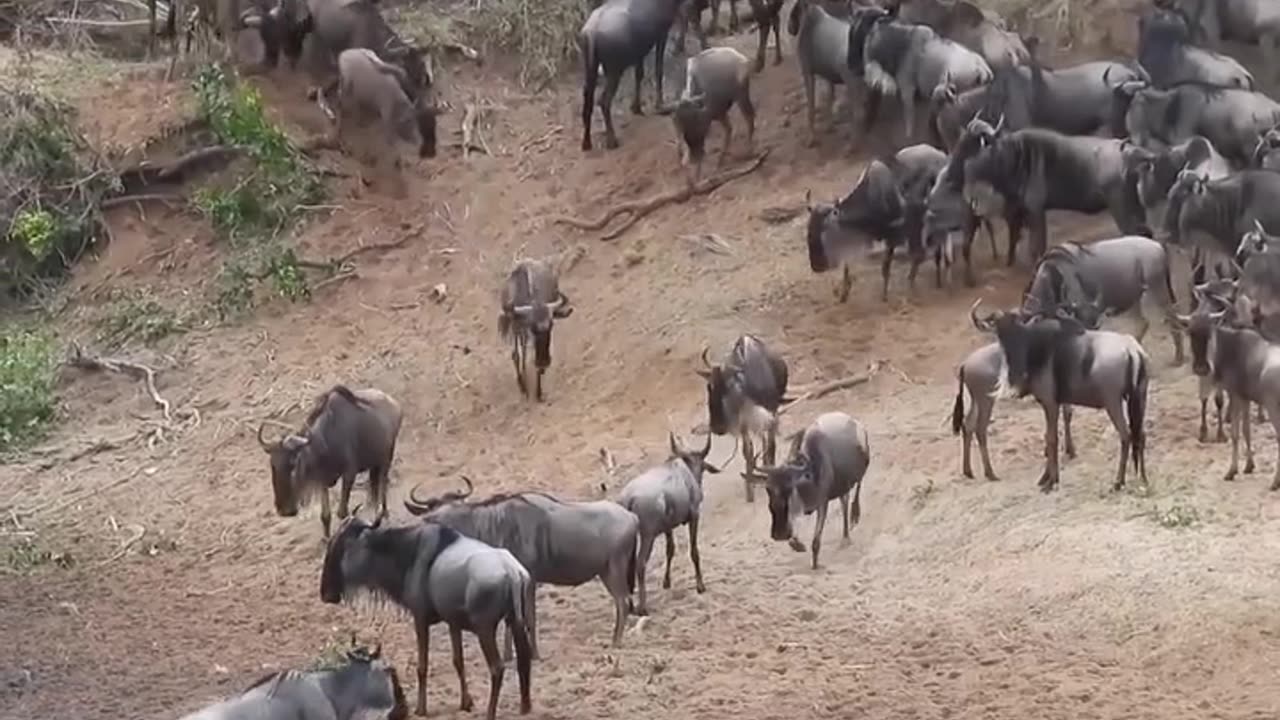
27,373
139,316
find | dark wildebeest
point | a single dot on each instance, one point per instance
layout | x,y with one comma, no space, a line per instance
1255,22
981,31
1231,119
1212,215
1207,299
366,686
715,80
910,61
616,36
367,84
822,49
559,543
828,461
436,574
663,498
1166,52
948,212
744,393
1028,172
531,301
1058,362
346,433
1258,258
887,204
1266,153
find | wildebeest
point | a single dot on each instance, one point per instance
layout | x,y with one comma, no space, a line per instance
437,575
664,498
888,204
744,393
766,14
226,18
1169,57
828,461
1258,259
1207,299
346,433
1031,171
1212,215
1156,172
1058,362
616,36
367,84
715,80
366,686
1248,21
910,61
979,30
559,543
1119,274
531,301
1231,119
948,212
822,49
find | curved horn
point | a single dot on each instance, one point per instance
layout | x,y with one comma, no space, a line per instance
1258,226
982,324
999,124
561,300
377,651
707,447
416,506
808,199
675,444
276,423
705,360
732,455
470,489
377,521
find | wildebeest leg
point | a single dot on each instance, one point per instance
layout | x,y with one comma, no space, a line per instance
489,645
1015,220
733,15
762,45
1218,402
844,515
526,652
885,266
749,459
423,631
1115,411
1069,444
635,100
728,137
455,639
671,551
748,110
970,230
659,61
985,406
1274,414
615,581
592,74
966,433
1248,436
325,517
846,282
694,556
531,630
642,564
344,495
810,101
777,37
537,389
612,78
517,361
870,108
1049,479
818,524
1234,412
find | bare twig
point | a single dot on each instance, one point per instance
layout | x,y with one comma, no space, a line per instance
125,199
147,173
124,546
86,362
833,386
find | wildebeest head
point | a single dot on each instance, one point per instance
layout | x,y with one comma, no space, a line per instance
726,394
696,460
1188,188
422,507
692,124
1026,339
539,317
1214,303
792,489
1255,241
368,681
368,558
822,219
290,465
862,21
981,174
1122,92
348,558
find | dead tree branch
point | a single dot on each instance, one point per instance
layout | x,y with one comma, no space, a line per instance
146,173
638,209
93,362
168,199
827,388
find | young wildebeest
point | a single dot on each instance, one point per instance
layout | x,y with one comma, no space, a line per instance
531,301
346,433
1166,52
910,61
1231,119
618,35
1058,362
743,396
828,461
559,543
366,686
367,85
715,80
437,575
886,204
822,48
664,498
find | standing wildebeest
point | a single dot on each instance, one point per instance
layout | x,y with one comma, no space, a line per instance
948,212
618,35
1255,22
559,543
1258,259
224,19
1207,299
910,61
367,84
964,22
1031,171
715,80
767,14
663,498
1156,172
828,461
437,575
365,687
822,48
743,396
1231,119
1166,52
1058,362
1212,215
531,301
346,433
888,204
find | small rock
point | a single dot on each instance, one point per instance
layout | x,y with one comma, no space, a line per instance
439,293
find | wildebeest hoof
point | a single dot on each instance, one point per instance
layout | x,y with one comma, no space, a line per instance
796,545
1231,475
1275,485
637,109
466,703
1071,453
666,583
759,66
1204,435
586,144
993,477
640,611
1222,437
967,472
700,587
1248,466
611,143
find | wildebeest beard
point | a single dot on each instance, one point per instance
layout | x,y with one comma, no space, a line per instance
718,398
818,261
542,348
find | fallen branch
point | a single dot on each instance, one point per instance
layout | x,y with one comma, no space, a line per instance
124,546
833,386
777,215
93,363
147,173
126,199
638,209
103,24
465,51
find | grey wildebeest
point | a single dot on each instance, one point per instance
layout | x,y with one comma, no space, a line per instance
744,393
886,204
1207,299
616,36
1258,260
1266,153
1157,171
1166,52
364,687
346,433
663,498
559,543
767,15
948,213
981,31
531,301
1212,215
1028,172
715,80
822,49
1058,362
1248,21
910,61
828,461
367,84
436,574
1231,119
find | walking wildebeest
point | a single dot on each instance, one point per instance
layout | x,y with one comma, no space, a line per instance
715,80
346,433
1231,119
886,204
367,84
618,35
1057,361
744,393
979,30
531,301
910,61
366,686
436,574
1028,172
663,498
1169,57
822,49
559,543
1255,22
828,461
948,212
1212,215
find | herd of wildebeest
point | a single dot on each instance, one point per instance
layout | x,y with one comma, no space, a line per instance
1178,144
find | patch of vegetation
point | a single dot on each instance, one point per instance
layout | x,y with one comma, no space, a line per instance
139,316
921,493
1176,516
28,366
25,556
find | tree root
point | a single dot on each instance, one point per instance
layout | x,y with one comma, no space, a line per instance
185,418
638,209
145,173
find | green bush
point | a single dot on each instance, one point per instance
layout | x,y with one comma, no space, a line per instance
27,374
139,316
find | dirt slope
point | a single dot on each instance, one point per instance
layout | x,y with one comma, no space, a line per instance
956,598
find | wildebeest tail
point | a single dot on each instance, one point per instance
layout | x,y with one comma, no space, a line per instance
1136,392
522,606
504,326
1168,281
631,563
957,411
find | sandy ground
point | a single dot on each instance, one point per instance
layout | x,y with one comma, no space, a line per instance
956,599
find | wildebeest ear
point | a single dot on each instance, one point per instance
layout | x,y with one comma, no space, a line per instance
675,444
